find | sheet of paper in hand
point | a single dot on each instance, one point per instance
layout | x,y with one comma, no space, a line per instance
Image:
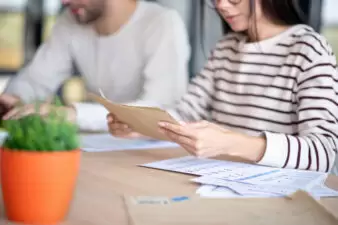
143,120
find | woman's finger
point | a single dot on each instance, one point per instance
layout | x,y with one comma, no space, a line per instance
178,129
180,139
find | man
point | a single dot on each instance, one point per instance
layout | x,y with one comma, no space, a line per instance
130,51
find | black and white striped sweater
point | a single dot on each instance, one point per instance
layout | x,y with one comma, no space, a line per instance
285,87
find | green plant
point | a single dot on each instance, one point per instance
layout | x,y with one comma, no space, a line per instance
52,132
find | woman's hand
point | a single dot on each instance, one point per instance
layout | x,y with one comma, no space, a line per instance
204,139
119,129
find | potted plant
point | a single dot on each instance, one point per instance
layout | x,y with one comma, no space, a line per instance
40,161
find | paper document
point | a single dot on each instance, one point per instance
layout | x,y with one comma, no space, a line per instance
285,177
319,190
143,120
232,179
195,166
211,191
217,192
246,189
316,188
106,142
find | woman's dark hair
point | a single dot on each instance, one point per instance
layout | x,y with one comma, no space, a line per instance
281,12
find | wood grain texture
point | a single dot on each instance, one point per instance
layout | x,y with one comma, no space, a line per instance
105,177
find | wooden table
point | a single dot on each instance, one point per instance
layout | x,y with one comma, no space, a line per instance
105,177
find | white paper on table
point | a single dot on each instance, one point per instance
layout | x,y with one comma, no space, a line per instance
245,172
211,191
245,179
316,188
204,167
319,189
106,142
296,179
245,188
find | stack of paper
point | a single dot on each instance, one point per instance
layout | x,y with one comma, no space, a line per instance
232,179
106,142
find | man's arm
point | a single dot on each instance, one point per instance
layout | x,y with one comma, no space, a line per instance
50,67
167,53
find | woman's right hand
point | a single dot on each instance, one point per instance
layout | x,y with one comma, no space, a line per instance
120,129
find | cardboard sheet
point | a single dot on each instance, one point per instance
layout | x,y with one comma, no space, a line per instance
297,209
143,120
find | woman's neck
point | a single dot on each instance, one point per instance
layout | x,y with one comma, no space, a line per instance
266,30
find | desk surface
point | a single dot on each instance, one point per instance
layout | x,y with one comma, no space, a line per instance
105,177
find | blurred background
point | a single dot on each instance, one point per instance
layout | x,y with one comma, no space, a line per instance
25,24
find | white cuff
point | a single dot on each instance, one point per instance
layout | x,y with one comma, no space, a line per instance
276,150
91,117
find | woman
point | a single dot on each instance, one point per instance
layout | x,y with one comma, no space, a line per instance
268,92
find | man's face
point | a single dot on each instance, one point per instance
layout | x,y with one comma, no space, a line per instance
86,11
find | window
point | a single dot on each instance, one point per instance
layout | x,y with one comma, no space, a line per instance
11,34
330,23
51,9
12,30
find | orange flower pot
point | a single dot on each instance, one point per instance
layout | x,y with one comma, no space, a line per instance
38,187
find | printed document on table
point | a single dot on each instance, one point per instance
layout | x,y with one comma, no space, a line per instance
106,142
320,189
280,182
216,192
246,188
211,191
204,167
279,177
317,190
244,179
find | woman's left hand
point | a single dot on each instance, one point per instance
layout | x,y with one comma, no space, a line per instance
204,139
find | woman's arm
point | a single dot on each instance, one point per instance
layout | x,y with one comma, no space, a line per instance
195,104
315,145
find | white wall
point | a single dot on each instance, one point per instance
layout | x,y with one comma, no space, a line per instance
330,15
51,6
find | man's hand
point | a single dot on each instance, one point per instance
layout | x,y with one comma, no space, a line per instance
43,110
7,103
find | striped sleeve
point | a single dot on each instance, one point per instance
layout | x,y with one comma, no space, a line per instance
315,145
195,104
